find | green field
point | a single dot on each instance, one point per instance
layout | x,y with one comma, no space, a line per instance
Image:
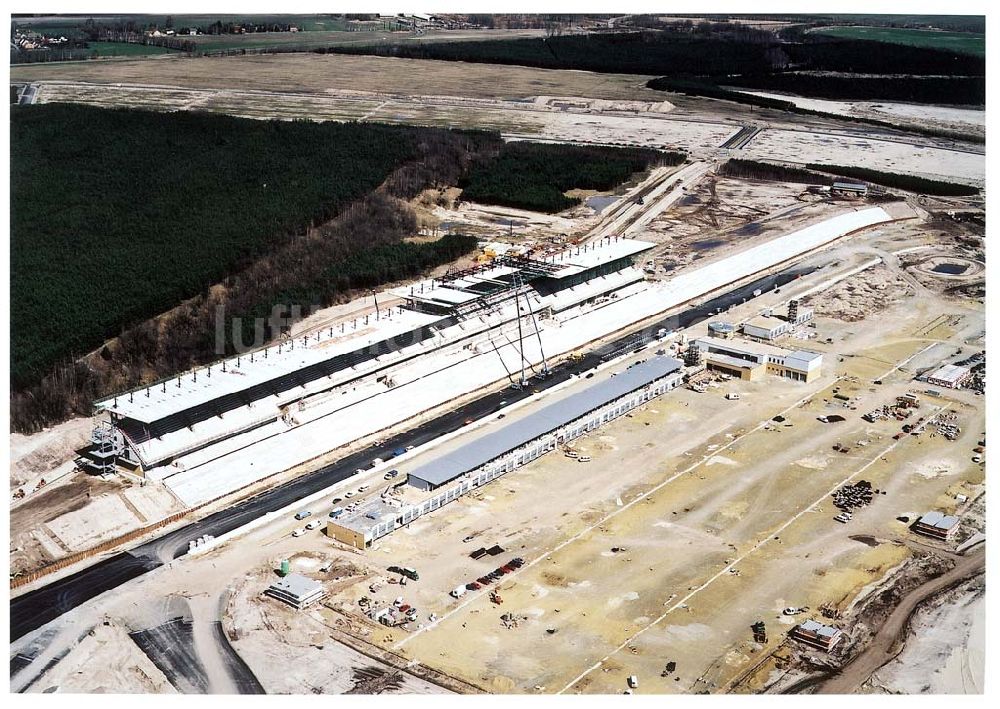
964,42
127,49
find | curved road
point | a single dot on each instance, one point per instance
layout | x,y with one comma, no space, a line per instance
890,638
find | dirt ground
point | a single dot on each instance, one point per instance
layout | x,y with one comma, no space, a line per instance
802,147
320,73
79,511
696,517
35,455
293,652
945,651
106,661
861,296
706,499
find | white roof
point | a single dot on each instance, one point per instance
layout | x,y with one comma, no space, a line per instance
951,373
297,585
197,387
939,520
766,323
580,258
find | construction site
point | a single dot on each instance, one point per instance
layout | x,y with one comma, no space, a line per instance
698,434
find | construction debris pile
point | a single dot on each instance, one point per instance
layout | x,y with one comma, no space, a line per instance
947,426
898,411
512,620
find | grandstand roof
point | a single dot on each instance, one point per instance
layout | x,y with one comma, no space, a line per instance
586,256
196,387
486,448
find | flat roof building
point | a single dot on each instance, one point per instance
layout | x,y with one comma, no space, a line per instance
851,188
749,360
454,474
817,635
296,590
547,419
949,375
936,524
766,328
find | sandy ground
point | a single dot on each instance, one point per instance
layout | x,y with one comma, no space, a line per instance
33,456
945,652
717,520
106,661
602,605
804,147
968,120
292,651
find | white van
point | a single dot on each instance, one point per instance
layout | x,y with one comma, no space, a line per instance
458,592
633,681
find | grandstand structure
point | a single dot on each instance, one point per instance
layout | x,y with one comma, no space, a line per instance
218,429
156,429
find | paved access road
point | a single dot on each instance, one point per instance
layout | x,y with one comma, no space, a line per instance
32,610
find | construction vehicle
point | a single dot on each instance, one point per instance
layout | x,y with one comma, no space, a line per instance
496,598
759,632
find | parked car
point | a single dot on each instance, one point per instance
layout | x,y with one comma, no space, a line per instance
391,474
302,514
583,459
458,591
336,512
314,524
349,493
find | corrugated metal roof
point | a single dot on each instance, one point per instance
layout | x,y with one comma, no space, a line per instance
939,520
484,449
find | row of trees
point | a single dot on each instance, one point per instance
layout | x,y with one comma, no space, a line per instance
956,90
535,175
755,170
910,183
702,50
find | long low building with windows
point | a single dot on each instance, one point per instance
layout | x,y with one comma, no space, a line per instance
751,360
495,454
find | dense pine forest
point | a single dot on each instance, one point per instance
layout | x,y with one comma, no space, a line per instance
702,58
711,50
910,183
959,90
534,176
119,215
754,170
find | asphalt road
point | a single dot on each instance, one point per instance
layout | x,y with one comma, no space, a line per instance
36,608
170,646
